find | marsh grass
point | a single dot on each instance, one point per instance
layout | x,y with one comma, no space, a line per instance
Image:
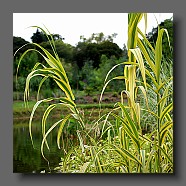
115,142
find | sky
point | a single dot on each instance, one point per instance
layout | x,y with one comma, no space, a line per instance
72,25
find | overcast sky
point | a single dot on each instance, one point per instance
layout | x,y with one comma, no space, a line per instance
72,25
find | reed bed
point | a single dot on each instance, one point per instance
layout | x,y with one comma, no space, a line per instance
115,142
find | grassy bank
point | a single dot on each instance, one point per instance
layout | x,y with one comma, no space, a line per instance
20,112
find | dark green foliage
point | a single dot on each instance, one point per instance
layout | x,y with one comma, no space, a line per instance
71,128
92,53
17,43
47,93
152,37
86,64
38,37
64,50
18,96
87,77
75,76
27,64
115,94
86,51
104,67
34,84
95,99
110,49
20,84
106,99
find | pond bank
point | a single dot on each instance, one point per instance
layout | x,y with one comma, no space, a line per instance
22,113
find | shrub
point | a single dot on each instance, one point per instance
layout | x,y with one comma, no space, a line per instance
115,94
95,99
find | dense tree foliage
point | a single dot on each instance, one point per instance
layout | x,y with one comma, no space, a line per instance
88,62
88,51
27,64
39,37
17,43
85,63
64,50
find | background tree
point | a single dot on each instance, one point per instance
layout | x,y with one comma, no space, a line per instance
57,37
87,77
110,49
17,43
79,54
39,37
98,38
64,50
86,64
26,66
125,51
152,37
92,48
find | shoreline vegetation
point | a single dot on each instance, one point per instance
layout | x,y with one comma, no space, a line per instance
89,104
116,141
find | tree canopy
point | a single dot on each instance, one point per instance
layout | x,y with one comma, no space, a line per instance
94,47
79,61
39,37
17,43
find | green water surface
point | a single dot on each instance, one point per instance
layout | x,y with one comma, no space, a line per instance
27,159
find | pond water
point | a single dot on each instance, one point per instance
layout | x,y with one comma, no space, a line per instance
27,159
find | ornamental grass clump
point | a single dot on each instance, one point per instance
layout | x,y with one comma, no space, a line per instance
115,142
52,69
152,152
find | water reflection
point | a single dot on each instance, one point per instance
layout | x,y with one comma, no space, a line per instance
26,159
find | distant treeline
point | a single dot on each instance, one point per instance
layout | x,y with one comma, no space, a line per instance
86,64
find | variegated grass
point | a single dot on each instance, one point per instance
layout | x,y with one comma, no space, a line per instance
52,69
126,149
159,151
